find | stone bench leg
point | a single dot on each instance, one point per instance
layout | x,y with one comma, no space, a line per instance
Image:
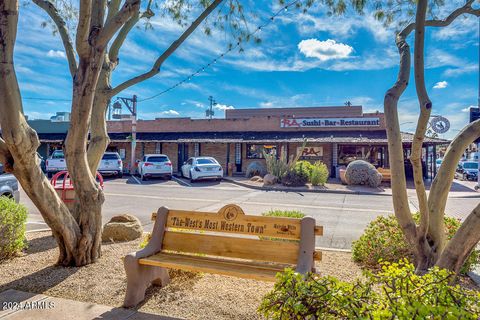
139,278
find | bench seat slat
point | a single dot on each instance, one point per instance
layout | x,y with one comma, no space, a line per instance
219,266
232,247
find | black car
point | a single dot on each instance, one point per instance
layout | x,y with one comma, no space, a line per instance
468,170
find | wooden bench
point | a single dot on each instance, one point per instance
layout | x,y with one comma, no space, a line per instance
386,175
228,243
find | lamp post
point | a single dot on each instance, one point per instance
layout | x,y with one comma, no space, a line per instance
131,104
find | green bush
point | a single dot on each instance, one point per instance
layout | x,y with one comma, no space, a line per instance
298,175
396,292
13,217
319,174
384,239
284,213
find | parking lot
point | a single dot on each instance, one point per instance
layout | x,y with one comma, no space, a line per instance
344,216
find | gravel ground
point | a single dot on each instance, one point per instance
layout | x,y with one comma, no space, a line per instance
189,295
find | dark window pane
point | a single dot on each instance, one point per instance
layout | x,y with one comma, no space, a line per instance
157,159
110,156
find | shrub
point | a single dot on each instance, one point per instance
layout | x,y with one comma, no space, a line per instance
384,239
13,217
298,175
255,169
394,293
319,174
284,213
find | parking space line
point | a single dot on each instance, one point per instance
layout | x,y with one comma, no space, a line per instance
134,178
159,198
180,181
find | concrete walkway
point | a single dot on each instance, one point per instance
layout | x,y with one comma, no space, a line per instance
19,305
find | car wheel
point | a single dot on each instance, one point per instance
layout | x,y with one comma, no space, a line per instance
191,179
465,178
143,178
120,175
169,177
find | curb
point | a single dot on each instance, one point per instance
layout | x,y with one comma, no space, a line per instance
288,189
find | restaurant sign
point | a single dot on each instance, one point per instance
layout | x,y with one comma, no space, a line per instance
329,122
310,152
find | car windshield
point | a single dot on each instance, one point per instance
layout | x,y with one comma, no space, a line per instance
109,156
58,155
157,159
206,161
470,165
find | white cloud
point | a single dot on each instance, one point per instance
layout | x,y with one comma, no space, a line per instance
440,85
460,70
170,113
324,50
56,54
223,107
468,108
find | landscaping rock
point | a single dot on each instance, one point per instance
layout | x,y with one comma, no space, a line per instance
360,172
123,227
269,180
256,168
256,179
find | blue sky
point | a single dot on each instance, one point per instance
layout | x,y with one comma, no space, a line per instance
303,60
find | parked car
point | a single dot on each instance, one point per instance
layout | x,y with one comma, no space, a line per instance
111,164
8,185
155,165
468,170
197,168
55,163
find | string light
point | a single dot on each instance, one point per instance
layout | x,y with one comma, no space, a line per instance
222,55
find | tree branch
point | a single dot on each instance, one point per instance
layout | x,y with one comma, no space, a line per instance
425,111
113,7
174,46
111,27
122,35
50,9
81,41
443,181
458,249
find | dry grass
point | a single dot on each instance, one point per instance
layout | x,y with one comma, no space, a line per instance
191,296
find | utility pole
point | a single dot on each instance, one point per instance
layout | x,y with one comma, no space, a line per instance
131,104
210,113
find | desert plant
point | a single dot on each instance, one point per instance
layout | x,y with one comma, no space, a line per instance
280,166
319,174
384,240
255,169
396,292
13,217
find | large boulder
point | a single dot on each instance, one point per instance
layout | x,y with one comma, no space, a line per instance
360,172
256,179
256,168
123,227
269,180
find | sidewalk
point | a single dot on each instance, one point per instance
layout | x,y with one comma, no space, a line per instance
25,306
459,188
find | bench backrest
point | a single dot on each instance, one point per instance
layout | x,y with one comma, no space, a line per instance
232,234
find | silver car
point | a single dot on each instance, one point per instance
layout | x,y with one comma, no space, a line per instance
111,164
8,185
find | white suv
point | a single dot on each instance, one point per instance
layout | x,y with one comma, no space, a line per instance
111,164
155,165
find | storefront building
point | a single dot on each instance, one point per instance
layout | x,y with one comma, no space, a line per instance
333,135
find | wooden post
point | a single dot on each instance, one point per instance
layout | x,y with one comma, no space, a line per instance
307,245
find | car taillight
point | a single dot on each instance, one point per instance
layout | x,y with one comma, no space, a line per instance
168,164
146,164
197,169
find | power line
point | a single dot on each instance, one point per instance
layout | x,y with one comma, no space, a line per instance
223,54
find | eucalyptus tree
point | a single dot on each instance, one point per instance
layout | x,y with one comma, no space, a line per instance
428,237
100,30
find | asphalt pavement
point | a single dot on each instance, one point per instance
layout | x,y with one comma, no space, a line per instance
343,216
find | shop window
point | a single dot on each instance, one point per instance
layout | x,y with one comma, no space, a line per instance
347,154
255,151
238,153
